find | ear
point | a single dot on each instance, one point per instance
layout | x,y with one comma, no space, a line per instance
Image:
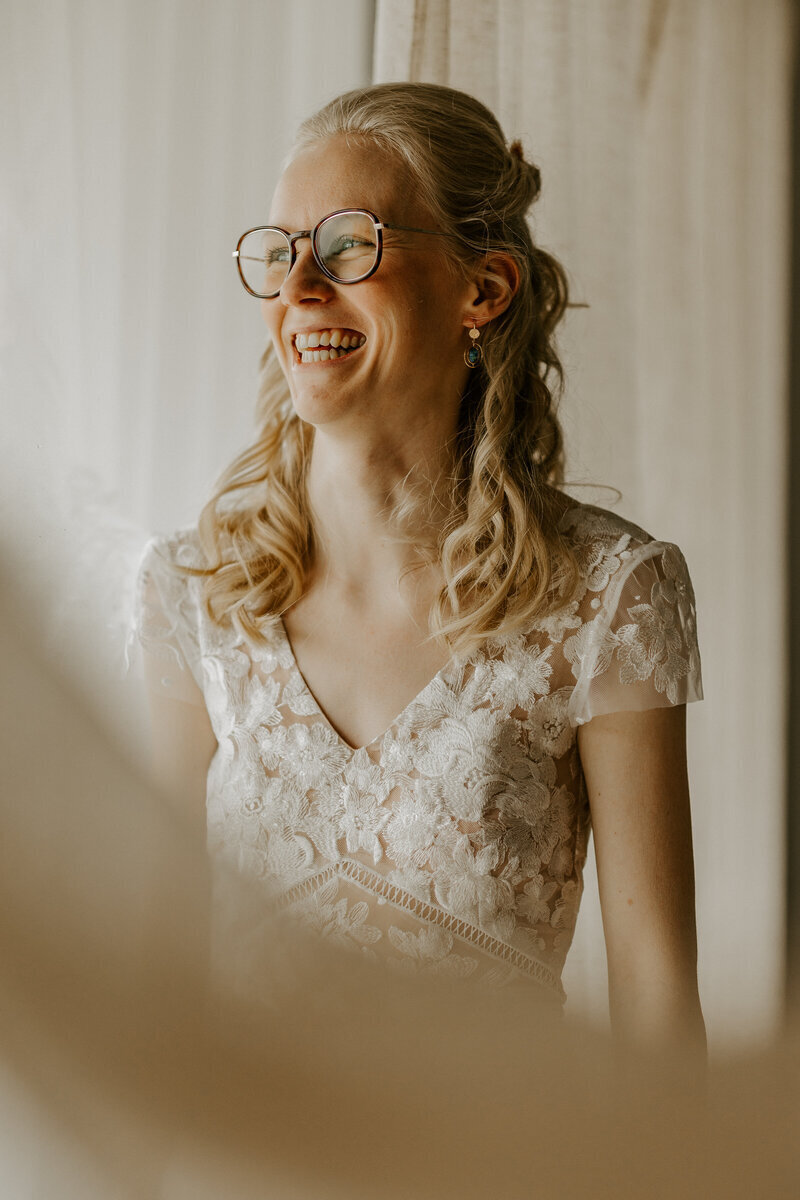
495,282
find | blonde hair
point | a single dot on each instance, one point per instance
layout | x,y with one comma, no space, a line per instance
504,560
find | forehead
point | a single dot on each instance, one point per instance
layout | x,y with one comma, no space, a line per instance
342,172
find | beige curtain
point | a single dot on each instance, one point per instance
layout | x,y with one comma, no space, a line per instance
140,138
661,128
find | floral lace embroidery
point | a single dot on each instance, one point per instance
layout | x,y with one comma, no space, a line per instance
468,820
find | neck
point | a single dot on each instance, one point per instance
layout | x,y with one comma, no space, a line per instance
354,491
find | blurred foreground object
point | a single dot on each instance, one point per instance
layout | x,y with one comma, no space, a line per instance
133,1079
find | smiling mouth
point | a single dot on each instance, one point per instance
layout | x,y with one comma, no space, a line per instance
326,345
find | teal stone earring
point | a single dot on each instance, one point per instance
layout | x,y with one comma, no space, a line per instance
473,354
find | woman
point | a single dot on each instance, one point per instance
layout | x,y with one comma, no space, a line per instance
415,669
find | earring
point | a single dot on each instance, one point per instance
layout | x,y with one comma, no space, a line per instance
473,354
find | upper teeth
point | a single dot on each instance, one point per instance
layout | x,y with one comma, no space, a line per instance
329,337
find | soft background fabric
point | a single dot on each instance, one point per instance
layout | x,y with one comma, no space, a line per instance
141,138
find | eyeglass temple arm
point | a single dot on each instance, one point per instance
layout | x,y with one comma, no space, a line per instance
413,229
438,233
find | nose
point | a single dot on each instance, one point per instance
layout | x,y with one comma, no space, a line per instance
305,281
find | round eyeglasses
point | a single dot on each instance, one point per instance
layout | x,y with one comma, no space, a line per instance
347,246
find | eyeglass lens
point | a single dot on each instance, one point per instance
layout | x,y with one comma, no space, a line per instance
347,245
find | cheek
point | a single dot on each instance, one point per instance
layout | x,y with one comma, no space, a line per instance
437,298
421,307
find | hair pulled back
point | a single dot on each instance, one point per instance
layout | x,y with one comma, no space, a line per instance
505,563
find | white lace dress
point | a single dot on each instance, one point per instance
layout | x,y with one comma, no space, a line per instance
454,842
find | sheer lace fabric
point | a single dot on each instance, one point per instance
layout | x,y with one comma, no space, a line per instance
455,842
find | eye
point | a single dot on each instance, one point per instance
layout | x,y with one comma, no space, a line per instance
277,254
346,242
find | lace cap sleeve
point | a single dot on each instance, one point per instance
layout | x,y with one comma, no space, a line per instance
640,651
163,643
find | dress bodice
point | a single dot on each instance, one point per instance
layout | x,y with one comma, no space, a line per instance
455,841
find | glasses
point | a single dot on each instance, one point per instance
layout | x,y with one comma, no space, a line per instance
347,246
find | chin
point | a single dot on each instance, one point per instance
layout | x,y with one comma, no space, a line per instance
322,408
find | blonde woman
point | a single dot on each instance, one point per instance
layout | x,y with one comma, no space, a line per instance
406,669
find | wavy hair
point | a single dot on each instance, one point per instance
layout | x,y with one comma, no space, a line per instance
504,561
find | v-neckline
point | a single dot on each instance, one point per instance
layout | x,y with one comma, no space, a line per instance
395,720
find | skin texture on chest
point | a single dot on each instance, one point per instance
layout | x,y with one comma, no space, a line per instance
363,664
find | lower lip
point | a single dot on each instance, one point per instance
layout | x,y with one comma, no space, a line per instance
326,362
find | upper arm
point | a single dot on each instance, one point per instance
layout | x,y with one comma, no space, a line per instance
634,764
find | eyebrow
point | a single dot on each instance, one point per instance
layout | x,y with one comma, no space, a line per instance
330,212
